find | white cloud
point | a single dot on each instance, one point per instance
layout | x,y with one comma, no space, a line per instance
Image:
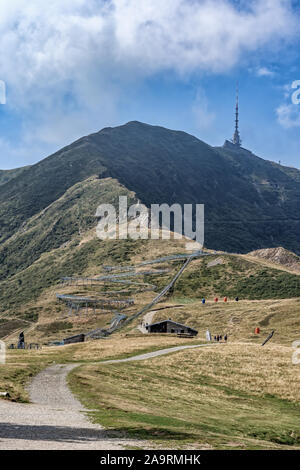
264,72
66,63
209,34
288,115
2,92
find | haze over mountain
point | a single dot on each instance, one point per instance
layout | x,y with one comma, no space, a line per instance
250,203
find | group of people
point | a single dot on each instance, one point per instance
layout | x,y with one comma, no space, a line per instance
219,338
216,337
216,299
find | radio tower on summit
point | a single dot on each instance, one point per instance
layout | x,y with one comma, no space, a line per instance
236,136
235,144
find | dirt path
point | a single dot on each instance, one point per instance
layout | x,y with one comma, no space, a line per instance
56,419
161,352
147,320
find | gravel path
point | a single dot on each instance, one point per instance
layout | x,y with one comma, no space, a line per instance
147,319
161,352
56,419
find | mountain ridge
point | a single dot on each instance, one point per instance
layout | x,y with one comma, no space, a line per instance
278,256
248,200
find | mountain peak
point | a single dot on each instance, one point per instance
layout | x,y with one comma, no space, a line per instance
249,203
130,125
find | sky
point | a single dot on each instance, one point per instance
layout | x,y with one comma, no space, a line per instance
71,67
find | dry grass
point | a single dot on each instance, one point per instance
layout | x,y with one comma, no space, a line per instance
239,319
238,395
49,310
229,396
270,264
245,367
21,365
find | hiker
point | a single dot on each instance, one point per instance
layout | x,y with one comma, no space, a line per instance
203,301
236,299
215,338
21,342
220,337
225,338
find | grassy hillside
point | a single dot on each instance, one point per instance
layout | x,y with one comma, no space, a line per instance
236,276
61,241
21,365
52,229
250,203
239,319
236,395
279,256
232,396
7,175
227,396
30,295
61,223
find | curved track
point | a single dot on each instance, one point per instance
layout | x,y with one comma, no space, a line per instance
124,276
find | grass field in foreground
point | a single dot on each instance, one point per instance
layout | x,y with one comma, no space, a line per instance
229,396
22,365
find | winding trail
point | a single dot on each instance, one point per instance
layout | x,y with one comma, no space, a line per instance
55,419
160,352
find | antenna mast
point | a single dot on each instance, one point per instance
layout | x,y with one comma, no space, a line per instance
236,136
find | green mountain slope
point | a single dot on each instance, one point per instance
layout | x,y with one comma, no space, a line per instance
62,222
250,203
7,175
61,241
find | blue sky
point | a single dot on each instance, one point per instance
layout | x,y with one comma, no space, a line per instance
74,67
